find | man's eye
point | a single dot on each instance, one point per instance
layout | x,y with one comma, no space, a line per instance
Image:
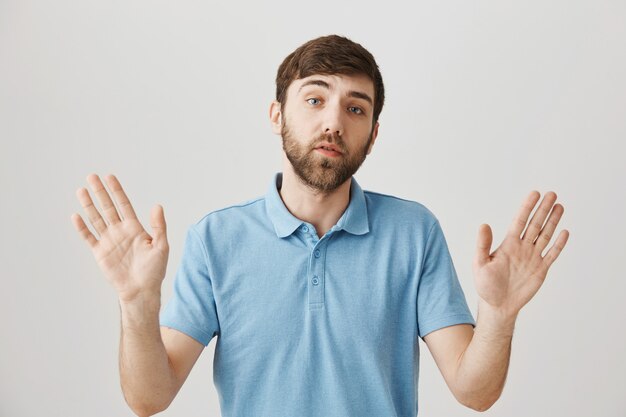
358,110
309,100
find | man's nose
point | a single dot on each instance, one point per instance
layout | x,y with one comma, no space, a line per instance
333,120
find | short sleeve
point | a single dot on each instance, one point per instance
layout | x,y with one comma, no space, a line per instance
440,298
192,309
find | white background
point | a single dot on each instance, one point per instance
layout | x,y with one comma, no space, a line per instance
486,100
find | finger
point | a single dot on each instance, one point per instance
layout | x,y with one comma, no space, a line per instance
519,223
483,245
556,248
536,223
123,203
83,230
108,208
157,222
92,212
548,230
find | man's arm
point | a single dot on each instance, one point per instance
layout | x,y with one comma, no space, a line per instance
154,362
474,362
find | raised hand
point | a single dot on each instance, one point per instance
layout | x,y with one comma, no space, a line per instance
510,276
132,260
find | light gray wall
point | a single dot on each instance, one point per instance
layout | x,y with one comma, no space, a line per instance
485,101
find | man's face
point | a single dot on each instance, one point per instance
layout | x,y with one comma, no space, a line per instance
333,112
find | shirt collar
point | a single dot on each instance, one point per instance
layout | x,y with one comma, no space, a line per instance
354,219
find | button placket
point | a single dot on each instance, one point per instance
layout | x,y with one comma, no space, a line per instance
317,270
306,232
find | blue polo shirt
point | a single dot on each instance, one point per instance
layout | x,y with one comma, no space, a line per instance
312,326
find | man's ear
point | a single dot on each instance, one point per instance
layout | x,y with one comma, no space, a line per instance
276,117
374,135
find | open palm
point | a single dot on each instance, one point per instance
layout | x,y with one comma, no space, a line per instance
510,276
131,259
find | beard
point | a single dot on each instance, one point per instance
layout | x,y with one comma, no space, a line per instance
318,172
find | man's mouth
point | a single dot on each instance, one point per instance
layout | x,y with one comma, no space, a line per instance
329,150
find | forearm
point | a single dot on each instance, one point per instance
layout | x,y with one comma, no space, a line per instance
484,364
146,377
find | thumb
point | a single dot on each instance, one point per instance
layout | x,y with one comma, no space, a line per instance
483,245
157,222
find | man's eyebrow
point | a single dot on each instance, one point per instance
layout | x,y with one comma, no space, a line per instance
358,94
355,94
314,82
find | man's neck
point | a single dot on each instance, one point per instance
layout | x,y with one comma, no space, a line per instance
322,210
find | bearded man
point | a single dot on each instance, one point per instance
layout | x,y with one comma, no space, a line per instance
318,291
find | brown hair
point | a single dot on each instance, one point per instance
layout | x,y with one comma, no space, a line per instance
332,54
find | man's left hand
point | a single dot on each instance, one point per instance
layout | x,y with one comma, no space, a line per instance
510,276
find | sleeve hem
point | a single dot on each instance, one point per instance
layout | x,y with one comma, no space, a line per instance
446,321
190,331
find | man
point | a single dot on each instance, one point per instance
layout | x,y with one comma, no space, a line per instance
317,291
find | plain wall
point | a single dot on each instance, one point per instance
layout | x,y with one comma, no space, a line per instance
485,101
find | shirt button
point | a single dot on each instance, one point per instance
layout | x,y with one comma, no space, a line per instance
315,281
305,229
316,253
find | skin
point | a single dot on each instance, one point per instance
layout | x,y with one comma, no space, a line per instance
314,110
155,361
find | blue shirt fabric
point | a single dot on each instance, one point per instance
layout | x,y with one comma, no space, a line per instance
312,326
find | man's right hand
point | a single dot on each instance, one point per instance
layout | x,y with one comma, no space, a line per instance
132,260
